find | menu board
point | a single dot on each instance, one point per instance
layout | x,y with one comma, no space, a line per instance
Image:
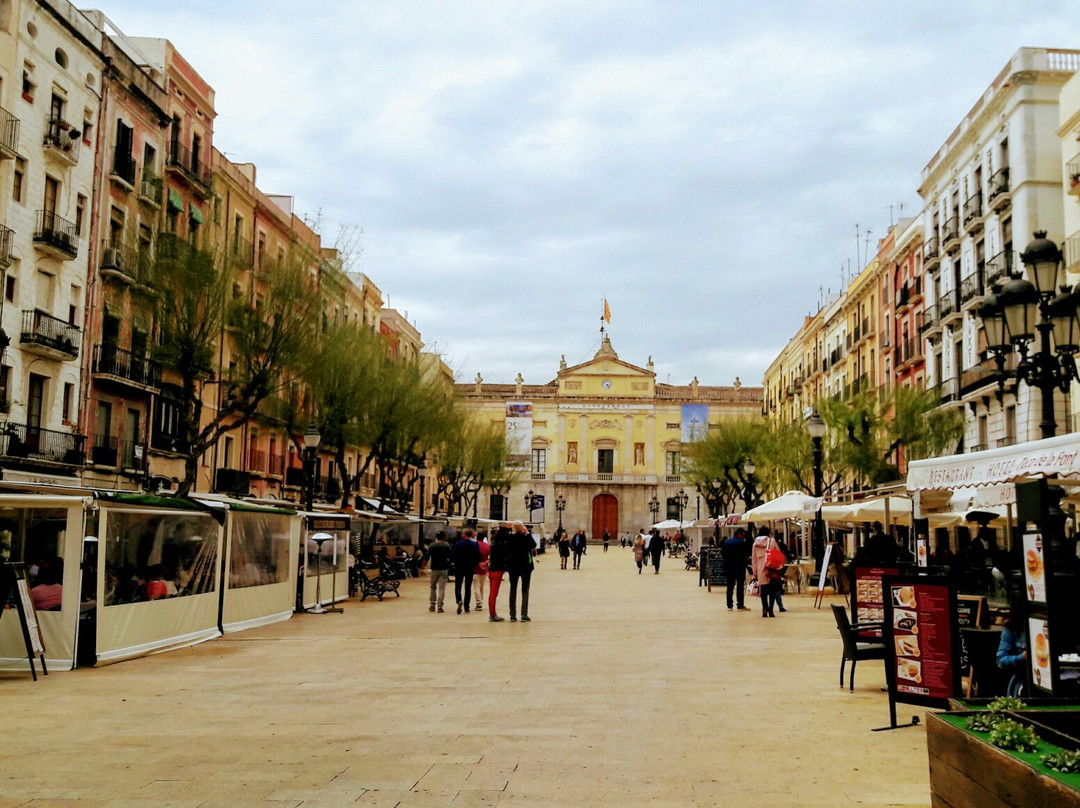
717,574
1034,568
1041,673
868,600
921,639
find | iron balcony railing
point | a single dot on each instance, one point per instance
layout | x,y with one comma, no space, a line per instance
947,305
930,317
124,364
39,328
167,442
998,186
950,230
150,187
132,455
972,208
64,138
257,460
119,257
183,158
9,133
948,390
241,252
124,167
931,249
33,442
56,232
276,465
971,287
103,451
999,267
6,235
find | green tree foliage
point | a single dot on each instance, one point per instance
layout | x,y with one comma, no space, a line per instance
205,319
715,464
470,455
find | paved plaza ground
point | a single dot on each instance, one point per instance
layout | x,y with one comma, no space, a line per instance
625,690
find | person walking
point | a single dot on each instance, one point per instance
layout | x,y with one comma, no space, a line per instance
498,561
759,560
734,551
578,547
656,549
439,562
778,583
564,548
639,549
607,539
520,567
466,557
480,571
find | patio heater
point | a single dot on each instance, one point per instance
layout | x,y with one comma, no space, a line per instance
311,446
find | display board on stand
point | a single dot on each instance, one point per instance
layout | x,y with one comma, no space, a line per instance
15,589
921,641
868,595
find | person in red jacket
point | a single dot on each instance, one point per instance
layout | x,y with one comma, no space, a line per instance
480,573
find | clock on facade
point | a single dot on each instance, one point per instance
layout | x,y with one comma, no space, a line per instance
606,384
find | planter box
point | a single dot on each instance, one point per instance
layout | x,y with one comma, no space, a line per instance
965,770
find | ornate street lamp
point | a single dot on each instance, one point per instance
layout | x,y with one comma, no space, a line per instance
560,506
748,490
654,507
1041,308
816,427
421,467
311,447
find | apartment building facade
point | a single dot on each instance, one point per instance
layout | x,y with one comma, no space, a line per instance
994,182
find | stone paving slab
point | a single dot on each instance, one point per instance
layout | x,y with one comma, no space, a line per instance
627,689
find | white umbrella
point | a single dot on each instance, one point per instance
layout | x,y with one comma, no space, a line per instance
792,505
873,510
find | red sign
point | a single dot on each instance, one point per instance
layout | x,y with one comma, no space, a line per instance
919,652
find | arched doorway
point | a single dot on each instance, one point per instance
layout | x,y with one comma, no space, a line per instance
605,515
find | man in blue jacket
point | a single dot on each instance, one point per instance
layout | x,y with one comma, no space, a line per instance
735,551
466,557
577,546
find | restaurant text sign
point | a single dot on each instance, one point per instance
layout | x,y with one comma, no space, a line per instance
921,640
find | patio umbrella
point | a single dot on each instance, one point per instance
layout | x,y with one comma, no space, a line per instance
792,505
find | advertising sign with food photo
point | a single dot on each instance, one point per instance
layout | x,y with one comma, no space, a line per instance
1034,567
868,599
1039,634
922,639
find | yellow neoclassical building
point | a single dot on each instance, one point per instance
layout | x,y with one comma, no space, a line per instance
605,437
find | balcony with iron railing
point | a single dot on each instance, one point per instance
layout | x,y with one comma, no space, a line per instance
909,350
124,366
240,252
1072,252
1072,176
49,336
257,460
931,251
32,443
931,319
150,188
971,287
950,231
276,465
9,135
999,268
169,442
6,236
973,212
986,373
120,260
948,390
104,451
132,455
997,189
62,141
55,235
190,167
948,305
123,170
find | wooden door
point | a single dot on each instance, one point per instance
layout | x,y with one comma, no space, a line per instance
605,515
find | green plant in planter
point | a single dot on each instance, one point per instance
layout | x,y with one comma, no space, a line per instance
985,721
1005,703
1009,734
1064,761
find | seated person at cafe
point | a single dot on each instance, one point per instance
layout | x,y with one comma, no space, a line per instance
48,594
879,548
1012,652
157,587
400,554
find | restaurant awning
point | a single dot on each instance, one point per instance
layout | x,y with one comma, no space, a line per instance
1058,456
792,505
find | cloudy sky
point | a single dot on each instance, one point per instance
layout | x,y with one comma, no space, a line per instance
703,165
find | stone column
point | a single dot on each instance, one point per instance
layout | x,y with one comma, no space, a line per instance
560,444
628,445
650,443
585,463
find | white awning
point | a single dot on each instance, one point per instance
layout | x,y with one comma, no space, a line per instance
1058,456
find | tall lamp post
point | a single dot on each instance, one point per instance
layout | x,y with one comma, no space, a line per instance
816,427
748,490
1044,305
421,467
681,499
311,447
654,507
529,500
560,506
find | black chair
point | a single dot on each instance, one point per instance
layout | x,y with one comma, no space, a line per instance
987,679
853,649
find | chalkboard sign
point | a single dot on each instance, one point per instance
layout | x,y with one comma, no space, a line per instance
717,574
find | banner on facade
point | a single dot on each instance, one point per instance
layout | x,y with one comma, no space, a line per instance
519,434
695,422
